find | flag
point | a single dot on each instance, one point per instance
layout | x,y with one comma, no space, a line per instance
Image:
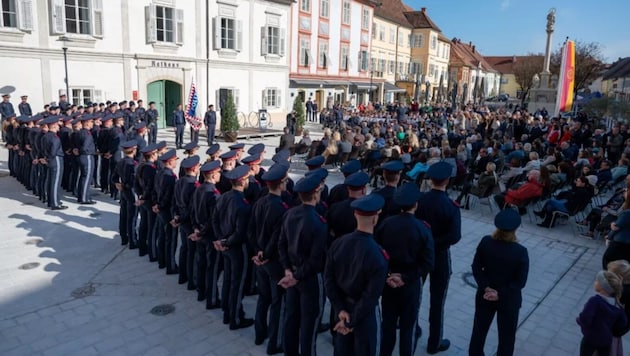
566,82
194,121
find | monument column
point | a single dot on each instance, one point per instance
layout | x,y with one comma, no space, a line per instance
544,76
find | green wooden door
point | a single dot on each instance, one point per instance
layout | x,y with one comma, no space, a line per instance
155,91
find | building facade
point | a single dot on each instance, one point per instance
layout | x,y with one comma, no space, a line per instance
476,79
149,49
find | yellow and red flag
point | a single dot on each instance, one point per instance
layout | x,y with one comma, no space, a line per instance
566,82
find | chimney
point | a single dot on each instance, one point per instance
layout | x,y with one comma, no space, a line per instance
424,10
473,48
470,43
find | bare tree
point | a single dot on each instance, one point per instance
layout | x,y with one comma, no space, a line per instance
525,67
589,63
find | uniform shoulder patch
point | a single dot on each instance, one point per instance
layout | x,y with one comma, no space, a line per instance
324,204
426,224
322,219
245,201
456,204
197,184
216,191
285,205
385,254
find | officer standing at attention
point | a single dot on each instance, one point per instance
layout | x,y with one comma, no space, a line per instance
117,135
138,135
500,267
54,163
103,143
210,120
253,189
228,160
179,123
355,284
302,251
411,258
140,111
145,180
230,221
391,174
339,192
167,239
123,178
87,150
151,117
443,215
340,216
264,231
24,107
6,111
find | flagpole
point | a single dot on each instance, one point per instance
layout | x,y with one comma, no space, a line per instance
561,80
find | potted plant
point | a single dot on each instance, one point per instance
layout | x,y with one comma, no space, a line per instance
300,116
229,120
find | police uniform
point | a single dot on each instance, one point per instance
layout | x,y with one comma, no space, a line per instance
355,284
151,117
24,107
105,138
124,175
32,135
264,226
411,255
321,174
231,217
96,133
75,174
167,240
388,191
444,217
189,149
209,260
54,164
117,136
179,123
302,249
137,135
182,209
158,226
87,150
145,180
340,192
503,267
252,193
340,216
224,184
210,120
43,171
6,111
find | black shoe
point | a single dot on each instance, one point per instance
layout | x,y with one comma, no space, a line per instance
539,213
201,297
59,207
172,271
142,252
191,287
133,246
161,266
226,319
210,306
124,242
443,346
89,202
182,280
274,350
245,323
152,259
323,327
542,224
260,339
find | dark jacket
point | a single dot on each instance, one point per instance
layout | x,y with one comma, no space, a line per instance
599,320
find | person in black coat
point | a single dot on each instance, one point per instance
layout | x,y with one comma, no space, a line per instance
123,178
210,120
87,150
570,201
391,174
500,268
340,216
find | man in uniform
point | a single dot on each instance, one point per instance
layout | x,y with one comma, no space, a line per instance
117,136
24,107
264,230
104,141
253,188
391,174
6,111
167,238
231,217
302,250
443,215
63,103
87,150
140,111
339,192
228,160
210,120
354,285
54,162
123,178
145,180
178,126
340,216
411,258
151,117
138,135
238,148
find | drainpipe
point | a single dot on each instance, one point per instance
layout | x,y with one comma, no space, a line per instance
207,53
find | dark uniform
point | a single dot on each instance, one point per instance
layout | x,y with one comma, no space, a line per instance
66,144
6,111
87,150
354,284
54,164
210,120
167,239
116,137
43,171
124,174
144,185
33,133
25,109
103,143
182,210
179,123
151,117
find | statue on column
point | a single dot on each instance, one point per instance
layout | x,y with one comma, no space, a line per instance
551,19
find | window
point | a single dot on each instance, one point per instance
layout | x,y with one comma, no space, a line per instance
271,98
324,8
305,5
401,67
415,68
374,30
222,95
9,13
365,20
431,70
305,50
228,38
346,13
164,24
504,80
364,60
381,33
272,40
344,58
392,35
323,55
418,40
78,16
228,34
401,39
392,67
433,42
381,65
84,96
165,31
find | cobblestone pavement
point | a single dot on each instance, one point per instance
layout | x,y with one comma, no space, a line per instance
87,295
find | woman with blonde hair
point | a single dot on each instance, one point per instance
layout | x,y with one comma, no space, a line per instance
622,269
333,145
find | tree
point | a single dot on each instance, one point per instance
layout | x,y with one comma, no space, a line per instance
525,67
229,118
589,63
298,107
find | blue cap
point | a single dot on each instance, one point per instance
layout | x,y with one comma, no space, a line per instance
190,162
440,171
307,184
253,159
507,220
97,116
229,155
237,146
282,155
320,173
315,162
256,149
351,166
149,148
213,149
191,146
132,103
22,118
393,166
275,173
407,194
51,120
161,145
237,173
140,125
117,115
129,144
211,166
106,117
368,205
168,155
76,121
37,117
357,179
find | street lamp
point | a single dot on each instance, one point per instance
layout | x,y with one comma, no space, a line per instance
65,40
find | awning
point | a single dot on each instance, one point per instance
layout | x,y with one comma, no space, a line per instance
365,86
306,83
389,87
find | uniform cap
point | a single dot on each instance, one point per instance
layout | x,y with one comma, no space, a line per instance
210,166
129,144
393,166
315,162
237,146
407,194
351,166
161,145
237,173
276,173
51,120
132,103
368,205
149,148
190,162
107,117
122,102
507,220
256,149
191,146
357,179
140,125
170,154
22,118
24,96
6,95
229,155
440,171
213,149
282,155
253,159
321,173
307,184
86,117
118,114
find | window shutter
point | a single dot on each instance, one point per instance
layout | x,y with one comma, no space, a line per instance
151,24
283,35
278,98
216,25
264,99
97,18
263,41
57,17
239,35
25,10
236,94
360,61
217,99
98,95
179,26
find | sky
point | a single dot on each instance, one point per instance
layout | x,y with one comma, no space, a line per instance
517,27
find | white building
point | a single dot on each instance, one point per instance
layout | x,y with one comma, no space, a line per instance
148,49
